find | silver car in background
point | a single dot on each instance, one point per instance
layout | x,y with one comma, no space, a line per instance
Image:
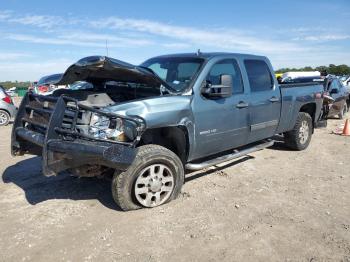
7,109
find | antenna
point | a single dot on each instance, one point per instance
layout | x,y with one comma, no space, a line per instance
106,47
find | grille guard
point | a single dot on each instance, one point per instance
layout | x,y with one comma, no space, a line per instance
54,128
39,138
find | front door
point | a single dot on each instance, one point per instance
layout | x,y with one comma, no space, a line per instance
221,123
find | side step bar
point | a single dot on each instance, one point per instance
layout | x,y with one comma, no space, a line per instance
225,158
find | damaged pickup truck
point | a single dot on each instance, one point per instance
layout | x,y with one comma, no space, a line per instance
147,124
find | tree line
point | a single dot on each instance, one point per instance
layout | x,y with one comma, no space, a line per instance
332,69
338,70
9,84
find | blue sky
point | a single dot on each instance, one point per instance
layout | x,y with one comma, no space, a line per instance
44,37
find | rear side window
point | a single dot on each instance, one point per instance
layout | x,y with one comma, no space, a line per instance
226,67
259,75
334,85
340,85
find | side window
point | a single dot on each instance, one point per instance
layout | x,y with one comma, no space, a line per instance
259,75
226,67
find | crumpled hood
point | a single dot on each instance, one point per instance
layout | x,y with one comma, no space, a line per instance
97,69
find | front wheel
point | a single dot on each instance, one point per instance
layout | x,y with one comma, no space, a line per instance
300,136
154,178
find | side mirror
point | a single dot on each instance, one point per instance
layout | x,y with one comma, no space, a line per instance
334,91
224,89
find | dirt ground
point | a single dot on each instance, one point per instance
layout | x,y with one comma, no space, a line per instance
274,205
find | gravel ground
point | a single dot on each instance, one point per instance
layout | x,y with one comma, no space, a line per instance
274,205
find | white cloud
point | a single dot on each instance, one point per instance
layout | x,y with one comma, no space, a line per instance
176,45
80,39
101,38
5,14
317,34
8,56
43,21
215,38
322,38
31,71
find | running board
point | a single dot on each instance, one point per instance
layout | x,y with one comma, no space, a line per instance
225,158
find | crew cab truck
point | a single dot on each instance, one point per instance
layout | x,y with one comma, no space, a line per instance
147,124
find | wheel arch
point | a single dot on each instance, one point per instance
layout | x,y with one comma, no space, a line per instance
174,138
3,109
310,108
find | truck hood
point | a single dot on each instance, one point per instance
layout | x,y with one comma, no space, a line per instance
100,69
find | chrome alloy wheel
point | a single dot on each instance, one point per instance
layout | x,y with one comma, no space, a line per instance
304,132
154,185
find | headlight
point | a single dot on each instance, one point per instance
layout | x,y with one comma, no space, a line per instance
105,128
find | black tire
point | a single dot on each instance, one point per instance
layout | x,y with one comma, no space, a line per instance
123,184
293,138
343,111
5,118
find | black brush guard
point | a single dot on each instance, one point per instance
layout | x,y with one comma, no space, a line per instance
46,126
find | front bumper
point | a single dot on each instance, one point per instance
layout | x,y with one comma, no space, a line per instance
63,148
59,155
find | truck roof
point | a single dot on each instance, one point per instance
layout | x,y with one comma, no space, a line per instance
210,55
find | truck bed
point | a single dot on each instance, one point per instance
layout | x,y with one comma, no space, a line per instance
294,95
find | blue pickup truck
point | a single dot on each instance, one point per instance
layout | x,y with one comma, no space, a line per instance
147,124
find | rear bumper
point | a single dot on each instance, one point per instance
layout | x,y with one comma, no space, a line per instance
59,155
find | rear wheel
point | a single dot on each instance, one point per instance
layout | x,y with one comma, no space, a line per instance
4,118
154,178
300,136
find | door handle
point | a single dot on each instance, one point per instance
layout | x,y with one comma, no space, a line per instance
274,99
242,104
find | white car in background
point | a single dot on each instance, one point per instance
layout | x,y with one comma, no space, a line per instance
345,81
12,91
290,76
7,109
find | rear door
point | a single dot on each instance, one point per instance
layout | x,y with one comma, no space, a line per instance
265,100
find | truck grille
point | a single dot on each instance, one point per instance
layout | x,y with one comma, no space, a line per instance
39,109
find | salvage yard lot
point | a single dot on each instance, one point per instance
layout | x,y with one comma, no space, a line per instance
274,205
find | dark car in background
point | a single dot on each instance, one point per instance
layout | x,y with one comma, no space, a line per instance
336,95
335,89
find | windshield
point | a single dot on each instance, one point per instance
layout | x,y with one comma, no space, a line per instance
177,72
